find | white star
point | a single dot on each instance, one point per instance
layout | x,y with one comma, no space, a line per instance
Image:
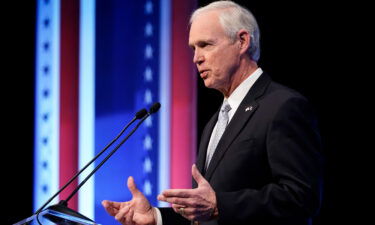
148,52
147,165
148,7
147,188
148,97
148,74
147,142
148,29
148,122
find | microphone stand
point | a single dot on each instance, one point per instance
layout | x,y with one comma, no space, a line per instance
140,114
62,206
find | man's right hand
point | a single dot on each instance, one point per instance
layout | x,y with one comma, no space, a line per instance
138,211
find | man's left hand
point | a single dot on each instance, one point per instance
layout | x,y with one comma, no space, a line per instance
198,204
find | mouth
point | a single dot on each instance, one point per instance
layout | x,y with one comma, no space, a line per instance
203,74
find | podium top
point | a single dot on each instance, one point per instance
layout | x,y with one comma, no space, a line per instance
56,218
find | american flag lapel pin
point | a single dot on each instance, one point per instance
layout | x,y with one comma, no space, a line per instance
249,108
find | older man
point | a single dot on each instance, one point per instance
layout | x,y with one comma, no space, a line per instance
259,158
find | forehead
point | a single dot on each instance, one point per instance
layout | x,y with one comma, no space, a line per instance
205,26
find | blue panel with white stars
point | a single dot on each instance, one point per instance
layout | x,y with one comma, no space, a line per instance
47,77
127,79
44,106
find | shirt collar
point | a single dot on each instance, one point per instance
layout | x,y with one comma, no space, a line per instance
240,92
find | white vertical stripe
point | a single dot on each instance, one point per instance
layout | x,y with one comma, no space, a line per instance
47,102
86,202
165,73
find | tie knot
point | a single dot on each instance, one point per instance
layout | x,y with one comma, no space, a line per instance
225,107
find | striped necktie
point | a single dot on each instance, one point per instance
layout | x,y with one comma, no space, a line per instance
222,123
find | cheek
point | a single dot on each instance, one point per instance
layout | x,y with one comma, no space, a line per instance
222,67
222,62
218,64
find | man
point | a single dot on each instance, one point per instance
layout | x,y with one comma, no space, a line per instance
259,159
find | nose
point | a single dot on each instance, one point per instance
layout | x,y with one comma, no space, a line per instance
198,57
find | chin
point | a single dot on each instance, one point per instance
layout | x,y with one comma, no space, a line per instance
208,84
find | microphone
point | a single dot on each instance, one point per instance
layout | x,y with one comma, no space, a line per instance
154,108
139,115
62,206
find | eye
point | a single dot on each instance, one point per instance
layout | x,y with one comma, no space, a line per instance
203,44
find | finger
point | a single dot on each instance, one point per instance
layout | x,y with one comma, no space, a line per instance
181,193
197,175
187,212
112,208
111,204
179,201
121,215
129,217
132,187
111,211
176,207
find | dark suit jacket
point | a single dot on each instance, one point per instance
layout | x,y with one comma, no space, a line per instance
267,167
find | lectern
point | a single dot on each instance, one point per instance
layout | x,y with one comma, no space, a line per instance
51,217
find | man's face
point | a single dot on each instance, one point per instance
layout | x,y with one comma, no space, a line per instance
216,56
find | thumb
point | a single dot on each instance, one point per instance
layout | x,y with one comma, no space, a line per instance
197,175
132,187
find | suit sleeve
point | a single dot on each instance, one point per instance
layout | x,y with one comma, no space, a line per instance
294,156
170,217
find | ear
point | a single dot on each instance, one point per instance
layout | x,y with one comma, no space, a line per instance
244,40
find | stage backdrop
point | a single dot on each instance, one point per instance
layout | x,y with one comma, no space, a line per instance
98,63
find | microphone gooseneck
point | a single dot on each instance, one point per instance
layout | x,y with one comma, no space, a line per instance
153,109
141,113
62,205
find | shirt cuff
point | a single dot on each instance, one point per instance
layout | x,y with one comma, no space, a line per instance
159,220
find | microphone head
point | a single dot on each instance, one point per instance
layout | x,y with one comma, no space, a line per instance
140,114
154,108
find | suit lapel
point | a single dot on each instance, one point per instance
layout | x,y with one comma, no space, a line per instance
244,112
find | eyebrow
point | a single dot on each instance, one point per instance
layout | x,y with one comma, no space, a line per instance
202,42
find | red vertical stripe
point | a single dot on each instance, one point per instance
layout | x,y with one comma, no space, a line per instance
69,40
183,94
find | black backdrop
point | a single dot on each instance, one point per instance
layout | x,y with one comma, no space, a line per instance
306,45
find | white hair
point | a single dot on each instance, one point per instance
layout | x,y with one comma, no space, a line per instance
233,18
